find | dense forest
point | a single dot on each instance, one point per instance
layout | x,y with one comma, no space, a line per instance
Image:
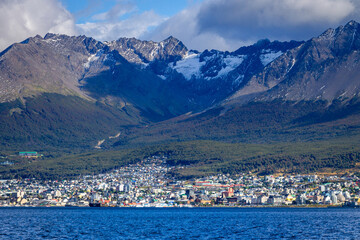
199,158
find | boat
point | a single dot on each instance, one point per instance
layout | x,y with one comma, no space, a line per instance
95,200
94,204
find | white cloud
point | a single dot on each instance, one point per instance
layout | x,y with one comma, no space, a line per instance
134,26
283,18
119,10
208,24
122,20
20,19
184,27
229,24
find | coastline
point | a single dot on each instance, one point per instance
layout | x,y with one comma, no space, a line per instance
308,206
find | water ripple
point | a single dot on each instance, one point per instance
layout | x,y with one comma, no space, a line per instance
195,223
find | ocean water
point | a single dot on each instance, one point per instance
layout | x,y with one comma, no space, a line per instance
179,223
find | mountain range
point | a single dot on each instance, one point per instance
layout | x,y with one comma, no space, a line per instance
298,89
70,92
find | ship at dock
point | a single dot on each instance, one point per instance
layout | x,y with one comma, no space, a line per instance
95,200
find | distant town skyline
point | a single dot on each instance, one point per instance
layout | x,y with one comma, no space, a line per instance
200,24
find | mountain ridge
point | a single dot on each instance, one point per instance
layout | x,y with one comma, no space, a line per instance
329,63
271,105
62,64
210,93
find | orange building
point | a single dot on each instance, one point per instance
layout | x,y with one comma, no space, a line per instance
228,193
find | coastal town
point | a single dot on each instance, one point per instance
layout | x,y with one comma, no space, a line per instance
147,184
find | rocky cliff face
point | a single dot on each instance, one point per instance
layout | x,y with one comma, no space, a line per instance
220,74
143,52
35,65
308,92
210,76
90,69
249,91
323,68
131,72
166,78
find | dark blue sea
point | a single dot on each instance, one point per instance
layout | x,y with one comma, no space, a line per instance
179,223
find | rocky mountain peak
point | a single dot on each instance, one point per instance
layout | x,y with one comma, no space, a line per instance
171,41
81,44
143,52
341,40
173,47
266,45
207,77
53,64
352,26
323,68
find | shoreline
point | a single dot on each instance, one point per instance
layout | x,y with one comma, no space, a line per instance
244,207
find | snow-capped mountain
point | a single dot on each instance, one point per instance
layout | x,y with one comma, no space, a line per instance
323,68
309,92
210,65
84,67
207,77
108,71
143,52
145,82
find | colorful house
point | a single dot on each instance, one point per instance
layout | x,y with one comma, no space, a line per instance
30,154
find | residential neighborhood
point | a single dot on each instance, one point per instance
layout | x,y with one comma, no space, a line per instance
147,184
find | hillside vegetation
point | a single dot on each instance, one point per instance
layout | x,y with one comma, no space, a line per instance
59,123
260,137
256,122
267,108
201,158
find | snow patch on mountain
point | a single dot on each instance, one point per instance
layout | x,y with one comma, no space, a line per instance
189,66
51,41
238,80
155,52
162,77
109,58
231,62
293,61
92,58
268,56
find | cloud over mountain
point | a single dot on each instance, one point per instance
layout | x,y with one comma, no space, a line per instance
184,26
20,19
291,19
110,29
207,24
122,20
228,24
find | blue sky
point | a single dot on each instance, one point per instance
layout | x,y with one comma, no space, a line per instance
166,8
199,24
